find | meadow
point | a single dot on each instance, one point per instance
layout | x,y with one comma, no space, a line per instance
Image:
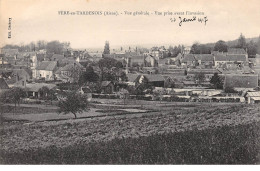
208,134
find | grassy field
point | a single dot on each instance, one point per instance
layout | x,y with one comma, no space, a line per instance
198,134
28,109
225,145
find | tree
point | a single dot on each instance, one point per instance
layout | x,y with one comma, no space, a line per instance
251,48
105,65
44,91
216,81
74,103
241,41
56,47
258,46
197,48
123,94
220,46
106,48
47,94
88,76
41,44
174,51
75,72
51,95
33,46
230,90
119,65
15,95
200,77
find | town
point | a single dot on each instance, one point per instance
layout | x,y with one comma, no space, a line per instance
130,105
223,74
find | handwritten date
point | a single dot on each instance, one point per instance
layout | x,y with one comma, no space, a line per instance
188,20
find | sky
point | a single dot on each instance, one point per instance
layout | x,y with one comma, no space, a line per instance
34,20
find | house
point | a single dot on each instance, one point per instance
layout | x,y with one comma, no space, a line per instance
137,60
168,81
70,72
205,60
131,79
3,62
16,81
159,52
34,88
220,59
35,59
107,87
58,58
155,80
45,70
253,97
16,77
207,72
9,52
241,81
23,73
186,50
188,60
234,55
3,85
150,61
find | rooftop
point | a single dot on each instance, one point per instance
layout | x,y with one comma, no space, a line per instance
188,57
47,65
236,51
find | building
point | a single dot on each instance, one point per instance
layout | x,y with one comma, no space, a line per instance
45,70
34,60
150,61
187,50
236,51
234,55
205,60
137,60
207,72
189,60
9,52
3,85
253,97
34,88
70,72
155,80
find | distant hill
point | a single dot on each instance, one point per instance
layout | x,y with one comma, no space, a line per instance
233,42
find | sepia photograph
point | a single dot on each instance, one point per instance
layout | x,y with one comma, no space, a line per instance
129,82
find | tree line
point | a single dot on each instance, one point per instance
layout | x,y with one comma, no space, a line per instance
252,47
54,46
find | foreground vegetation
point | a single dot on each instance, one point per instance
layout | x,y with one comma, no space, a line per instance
202,136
